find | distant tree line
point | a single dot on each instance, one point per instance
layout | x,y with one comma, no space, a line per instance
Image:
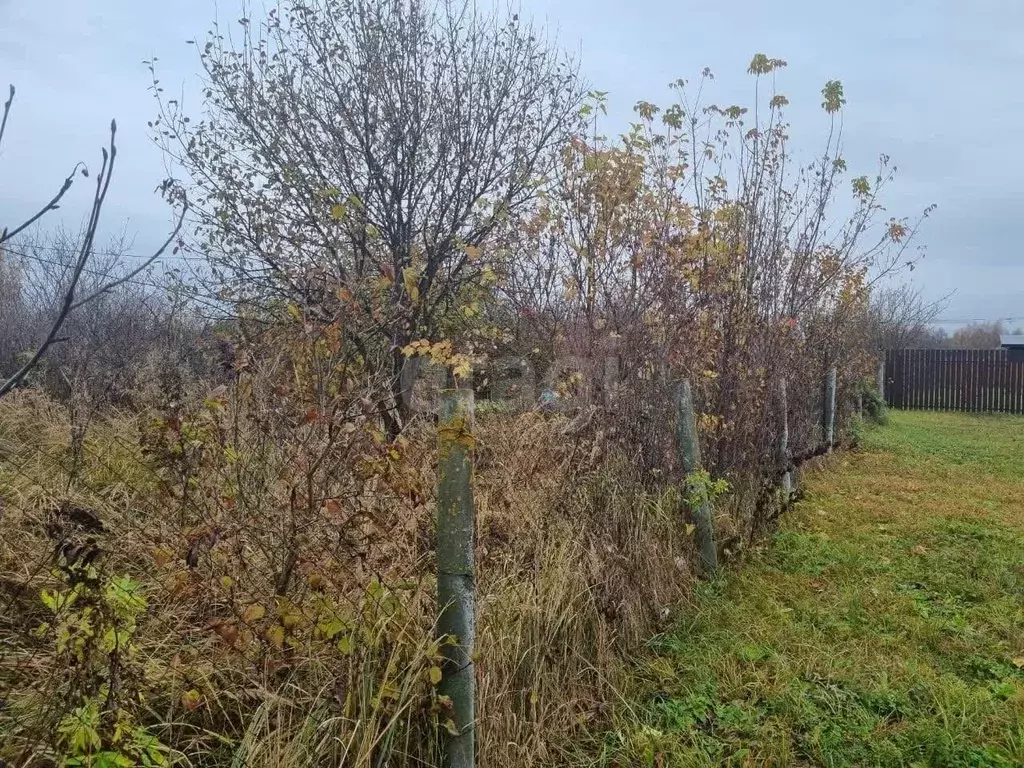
901,318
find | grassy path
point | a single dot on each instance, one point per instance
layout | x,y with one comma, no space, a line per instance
884,626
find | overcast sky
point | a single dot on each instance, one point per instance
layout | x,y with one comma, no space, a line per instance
933,83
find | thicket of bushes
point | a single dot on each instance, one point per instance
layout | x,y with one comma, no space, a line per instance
232,564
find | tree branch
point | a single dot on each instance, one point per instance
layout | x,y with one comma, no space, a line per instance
7,111
84,252
138,270
53,205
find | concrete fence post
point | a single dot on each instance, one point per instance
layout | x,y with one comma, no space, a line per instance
787,478
688,448
456,584
830,409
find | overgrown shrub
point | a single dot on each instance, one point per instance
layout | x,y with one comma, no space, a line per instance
875,408
233,659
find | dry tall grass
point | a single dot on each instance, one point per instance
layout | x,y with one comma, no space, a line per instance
230,665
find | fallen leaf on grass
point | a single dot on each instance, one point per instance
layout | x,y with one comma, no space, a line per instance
191,700
253,612
275,636
162,556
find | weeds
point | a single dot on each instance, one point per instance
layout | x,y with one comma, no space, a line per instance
230,664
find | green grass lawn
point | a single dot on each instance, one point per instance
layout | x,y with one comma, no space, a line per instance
882,626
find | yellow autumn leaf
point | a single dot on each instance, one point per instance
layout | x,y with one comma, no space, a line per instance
409,280
690,528
191,700
472,252
346,644
1018,662
253,612
275,636
337,211
162,556
461,366
434,673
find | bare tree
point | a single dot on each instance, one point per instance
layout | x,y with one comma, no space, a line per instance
74,299
13,337
365,149
901,318
977,335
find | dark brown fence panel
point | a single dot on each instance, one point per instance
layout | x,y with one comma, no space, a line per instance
996,402
911,385
973,366
971,380
965,380
927,379
919,389
952,396
987,375
942,398
892,377
946,380
983,372
901,375
999,385
984,379
1016,387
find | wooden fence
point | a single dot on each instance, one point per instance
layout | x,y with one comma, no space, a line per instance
976,380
